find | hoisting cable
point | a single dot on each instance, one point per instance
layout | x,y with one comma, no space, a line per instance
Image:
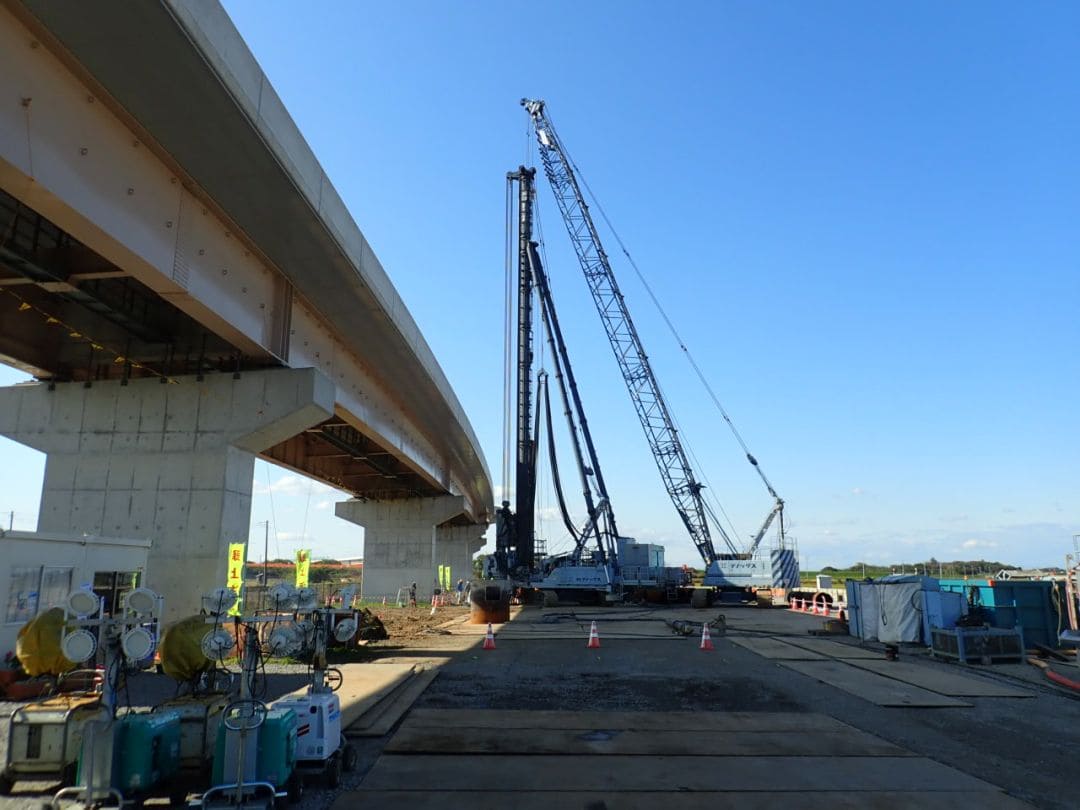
553,460
708,492
671,326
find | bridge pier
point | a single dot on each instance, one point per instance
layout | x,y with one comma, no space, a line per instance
407,540
170,462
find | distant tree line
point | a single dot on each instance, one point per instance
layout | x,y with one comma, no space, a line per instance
931,567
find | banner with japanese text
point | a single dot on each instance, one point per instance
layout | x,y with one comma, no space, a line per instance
303,563
234,578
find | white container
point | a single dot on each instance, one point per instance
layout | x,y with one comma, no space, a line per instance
823,581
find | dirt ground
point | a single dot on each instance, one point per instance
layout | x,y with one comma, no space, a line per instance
408,623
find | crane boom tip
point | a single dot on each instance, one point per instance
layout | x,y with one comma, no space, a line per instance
534,107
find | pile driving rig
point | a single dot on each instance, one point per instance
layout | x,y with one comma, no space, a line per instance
734,569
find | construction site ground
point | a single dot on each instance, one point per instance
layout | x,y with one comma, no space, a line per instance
772,715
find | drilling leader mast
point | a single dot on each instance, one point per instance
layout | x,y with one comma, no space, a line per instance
516,555
652,410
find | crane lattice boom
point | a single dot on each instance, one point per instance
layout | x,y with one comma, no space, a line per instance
652,410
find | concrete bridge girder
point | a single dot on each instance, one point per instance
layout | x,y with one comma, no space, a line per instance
171,463
69,155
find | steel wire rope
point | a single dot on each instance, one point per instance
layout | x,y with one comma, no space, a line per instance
667,320
709,491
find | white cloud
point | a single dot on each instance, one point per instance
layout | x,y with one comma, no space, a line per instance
322,505
976,543
294,485
857,491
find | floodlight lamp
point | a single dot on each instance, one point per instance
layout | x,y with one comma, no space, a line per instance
78,646
282,595
219,600
306,598
345,629
216,644
285,640
83,603
138,644
142,602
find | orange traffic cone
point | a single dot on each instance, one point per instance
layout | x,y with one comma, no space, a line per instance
594,638
706,642
843,614
489,639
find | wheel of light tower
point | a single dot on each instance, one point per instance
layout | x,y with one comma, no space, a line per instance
178,795
295,788
6,784
348,755
334,678
69,775
333,771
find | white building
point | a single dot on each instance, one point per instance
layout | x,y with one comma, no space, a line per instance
38,571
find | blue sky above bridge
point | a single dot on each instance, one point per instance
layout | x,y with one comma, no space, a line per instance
860,218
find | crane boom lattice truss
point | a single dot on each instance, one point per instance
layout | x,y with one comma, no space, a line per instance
652,410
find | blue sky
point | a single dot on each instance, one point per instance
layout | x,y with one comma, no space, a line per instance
861,218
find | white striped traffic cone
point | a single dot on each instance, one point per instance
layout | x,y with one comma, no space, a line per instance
594,638
706,642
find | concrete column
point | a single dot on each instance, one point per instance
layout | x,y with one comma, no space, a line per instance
407,540
173,463
455,546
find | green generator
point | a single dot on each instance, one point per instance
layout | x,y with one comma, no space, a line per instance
277,746
146,753
271,759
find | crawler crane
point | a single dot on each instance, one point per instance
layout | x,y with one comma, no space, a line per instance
735,568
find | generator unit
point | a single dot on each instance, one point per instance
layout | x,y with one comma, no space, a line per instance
146,755
200,719
258,767
45,739
319,719
320,746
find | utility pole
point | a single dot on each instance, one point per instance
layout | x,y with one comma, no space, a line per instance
266,559
11,521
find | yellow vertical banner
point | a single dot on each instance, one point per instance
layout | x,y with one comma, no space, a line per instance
303,563
447,584
442,576
234,576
